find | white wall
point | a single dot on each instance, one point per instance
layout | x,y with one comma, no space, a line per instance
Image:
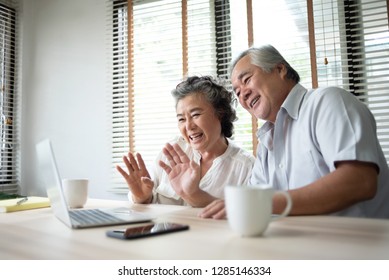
64,92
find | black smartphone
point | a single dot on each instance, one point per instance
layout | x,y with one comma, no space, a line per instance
146,230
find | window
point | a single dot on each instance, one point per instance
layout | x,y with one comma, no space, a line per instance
166,43
8,140
120,110
329,42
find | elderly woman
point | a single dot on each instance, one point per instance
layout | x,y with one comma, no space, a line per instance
194,168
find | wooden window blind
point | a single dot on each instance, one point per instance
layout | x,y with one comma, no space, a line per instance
329,42
166,40
9,168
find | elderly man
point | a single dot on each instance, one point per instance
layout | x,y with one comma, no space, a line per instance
320,144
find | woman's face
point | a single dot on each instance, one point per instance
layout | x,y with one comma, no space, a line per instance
198,122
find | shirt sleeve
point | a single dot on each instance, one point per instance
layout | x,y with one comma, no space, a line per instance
344,128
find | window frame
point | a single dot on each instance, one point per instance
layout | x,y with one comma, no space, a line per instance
9,177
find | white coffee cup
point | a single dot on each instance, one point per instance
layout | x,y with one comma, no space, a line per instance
76,192
249,208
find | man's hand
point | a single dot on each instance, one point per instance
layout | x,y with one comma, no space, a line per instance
216,210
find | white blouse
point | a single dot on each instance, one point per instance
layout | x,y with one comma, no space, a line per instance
233,167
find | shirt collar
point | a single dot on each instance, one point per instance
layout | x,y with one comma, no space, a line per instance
293,101
197,155
291,105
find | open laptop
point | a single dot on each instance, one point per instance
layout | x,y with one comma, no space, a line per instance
78,218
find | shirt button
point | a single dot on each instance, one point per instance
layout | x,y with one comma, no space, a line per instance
281,166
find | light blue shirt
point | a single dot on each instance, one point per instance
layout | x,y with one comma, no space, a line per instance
314,129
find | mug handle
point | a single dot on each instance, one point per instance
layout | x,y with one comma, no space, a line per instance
287,208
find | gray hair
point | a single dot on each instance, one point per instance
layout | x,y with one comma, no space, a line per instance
267,58
215,93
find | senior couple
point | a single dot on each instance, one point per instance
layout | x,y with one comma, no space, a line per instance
320,145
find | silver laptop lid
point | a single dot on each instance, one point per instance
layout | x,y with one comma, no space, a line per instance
53,183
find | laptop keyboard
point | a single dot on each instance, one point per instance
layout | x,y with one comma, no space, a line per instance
92,216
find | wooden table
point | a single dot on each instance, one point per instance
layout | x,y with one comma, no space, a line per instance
38,235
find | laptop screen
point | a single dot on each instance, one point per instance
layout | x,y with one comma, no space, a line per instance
49,170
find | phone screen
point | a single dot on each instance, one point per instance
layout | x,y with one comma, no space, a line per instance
146,230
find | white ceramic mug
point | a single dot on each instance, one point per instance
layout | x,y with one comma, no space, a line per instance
249,208
76,192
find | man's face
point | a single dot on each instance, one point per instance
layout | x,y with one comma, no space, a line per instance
260,93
